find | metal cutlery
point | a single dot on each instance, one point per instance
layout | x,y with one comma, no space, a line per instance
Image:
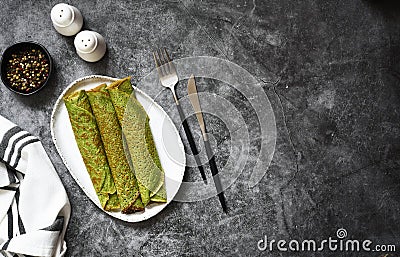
169,78
194,99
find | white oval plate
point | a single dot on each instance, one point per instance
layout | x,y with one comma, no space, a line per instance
172,157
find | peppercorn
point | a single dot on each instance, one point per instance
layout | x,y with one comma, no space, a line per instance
27,70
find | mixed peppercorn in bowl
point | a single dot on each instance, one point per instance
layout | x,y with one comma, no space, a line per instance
25,67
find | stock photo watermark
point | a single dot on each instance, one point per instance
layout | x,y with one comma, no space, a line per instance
222,107
333,244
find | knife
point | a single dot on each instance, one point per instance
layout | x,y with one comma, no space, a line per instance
194,100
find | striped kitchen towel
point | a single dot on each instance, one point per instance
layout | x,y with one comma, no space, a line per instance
34,207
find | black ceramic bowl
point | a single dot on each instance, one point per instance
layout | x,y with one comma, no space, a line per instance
26,67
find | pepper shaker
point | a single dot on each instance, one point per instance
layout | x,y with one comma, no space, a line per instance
67,19
90,45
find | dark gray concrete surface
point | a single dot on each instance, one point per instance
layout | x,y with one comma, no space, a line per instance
331,70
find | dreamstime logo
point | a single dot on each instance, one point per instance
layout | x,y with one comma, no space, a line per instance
235,86
341,233
332,244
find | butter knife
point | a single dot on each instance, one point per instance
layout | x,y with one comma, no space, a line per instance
194,100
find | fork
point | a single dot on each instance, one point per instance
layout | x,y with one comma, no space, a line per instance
169,78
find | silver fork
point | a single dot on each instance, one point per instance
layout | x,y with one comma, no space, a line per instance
169,78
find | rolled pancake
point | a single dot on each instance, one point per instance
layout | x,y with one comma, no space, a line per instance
137,132
87,137
111,135
161,195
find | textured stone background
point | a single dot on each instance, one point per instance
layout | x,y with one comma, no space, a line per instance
331,70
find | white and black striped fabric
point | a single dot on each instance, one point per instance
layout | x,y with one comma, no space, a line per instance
34,207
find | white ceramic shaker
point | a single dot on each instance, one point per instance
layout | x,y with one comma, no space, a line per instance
90,45
67,19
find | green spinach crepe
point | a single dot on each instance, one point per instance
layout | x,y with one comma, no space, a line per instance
161,195
111,135
89,142
137,132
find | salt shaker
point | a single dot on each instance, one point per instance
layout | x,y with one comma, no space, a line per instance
67,19
90,45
